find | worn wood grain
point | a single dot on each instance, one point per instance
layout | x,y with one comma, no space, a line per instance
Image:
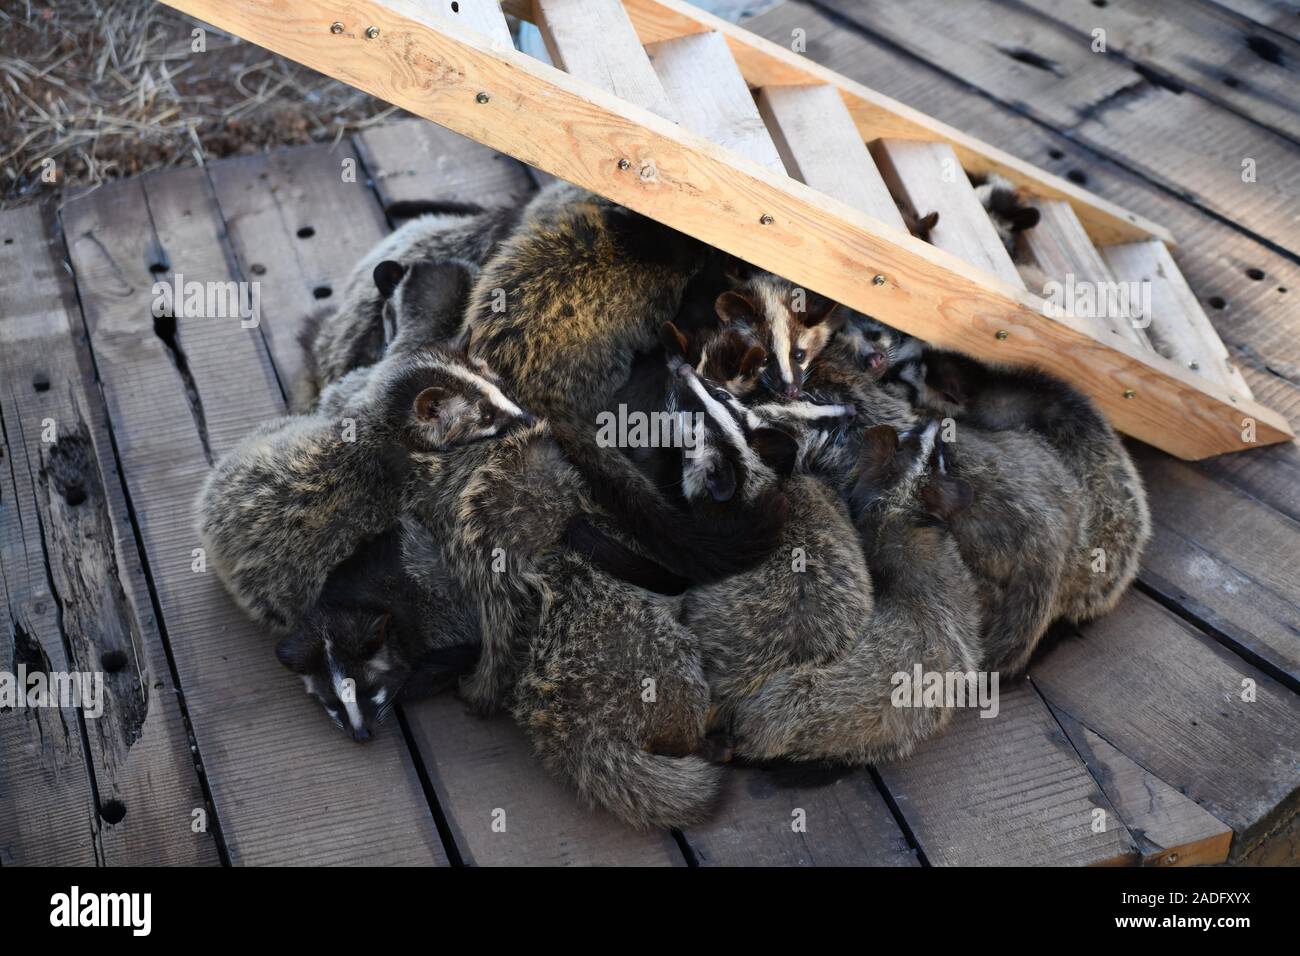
820,145
710,96
1045,71
926,177
1279,16
48,814
717,196
594,41
1060,248
1196,44
766,63
147,786
1170,829
800,816
298,219
1171,700
1178,324
1006,790
175,408
503,807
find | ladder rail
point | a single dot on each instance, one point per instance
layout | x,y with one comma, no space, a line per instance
510,102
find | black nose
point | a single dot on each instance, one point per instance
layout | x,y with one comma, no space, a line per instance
361,735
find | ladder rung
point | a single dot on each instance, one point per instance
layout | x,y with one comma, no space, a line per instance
1059,246
711,97
482,16
928,178
594,40
1179,327
819,144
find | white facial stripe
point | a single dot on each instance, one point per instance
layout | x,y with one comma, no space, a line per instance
380,696
810,411
780,321
717,411
494,394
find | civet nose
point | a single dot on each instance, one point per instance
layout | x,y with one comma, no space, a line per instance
792,390
875,360
361,734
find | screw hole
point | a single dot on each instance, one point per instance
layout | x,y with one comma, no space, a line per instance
455,7
157,268
1231,82
1056,153
9,242
322,292
41,382
257,269
1255,274
112,811
113,661
1077,176
1217,301
306,232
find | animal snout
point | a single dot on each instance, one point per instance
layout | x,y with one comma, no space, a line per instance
361,734
792,390
875,360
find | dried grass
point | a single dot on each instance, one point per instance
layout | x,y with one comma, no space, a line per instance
92,90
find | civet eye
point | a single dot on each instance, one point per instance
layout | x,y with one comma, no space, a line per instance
487,418
800,355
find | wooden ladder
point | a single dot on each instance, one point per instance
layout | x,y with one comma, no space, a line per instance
745,145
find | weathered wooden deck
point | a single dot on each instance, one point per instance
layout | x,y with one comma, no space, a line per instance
1140,715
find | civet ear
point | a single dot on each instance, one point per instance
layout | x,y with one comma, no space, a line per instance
299,652
777,449
732,306
674,340
427,403
387,275
879,446
945,497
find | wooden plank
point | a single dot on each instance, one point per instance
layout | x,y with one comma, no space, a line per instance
767,63
710,96
1008,791
1170,829
1103,104
1250,288
414,159
1215,553
1279,16
504,809
800,816
594,41
298,218
1178,323
76,519
484,17
48,814
1060,247
819,145
287,787
1199,45
582,133
928,178
1171,700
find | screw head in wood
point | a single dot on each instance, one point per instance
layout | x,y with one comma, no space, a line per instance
877,280
372,32
482,98
765,220
1194,365
1001,335
336,27
1130,393
624,164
